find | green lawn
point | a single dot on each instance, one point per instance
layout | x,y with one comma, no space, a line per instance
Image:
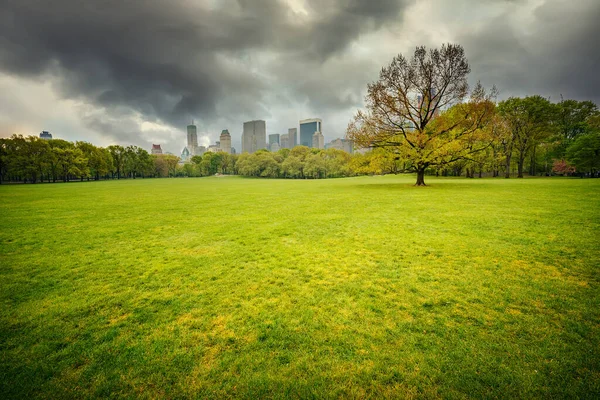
345,288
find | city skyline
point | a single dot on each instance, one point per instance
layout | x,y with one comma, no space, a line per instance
223,63
311,127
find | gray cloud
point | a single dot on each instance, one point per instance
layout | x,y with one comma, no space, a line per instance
553,52
222,62
171,59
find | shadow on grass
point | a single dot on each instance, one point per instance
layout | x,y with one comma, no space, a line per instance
411,186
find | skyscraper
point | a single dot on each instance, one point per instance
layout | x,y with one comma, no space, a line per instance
308,127
274,142
192,139
341,144
273,138
225,141
185,154
318,140
292,137
284,141
254,136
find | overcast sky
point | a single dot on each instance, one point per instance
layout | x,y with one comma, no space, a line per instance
138,71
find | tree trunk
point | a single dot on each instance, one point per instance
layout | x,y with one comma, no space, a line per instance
507,173
420,177
520,167
532,169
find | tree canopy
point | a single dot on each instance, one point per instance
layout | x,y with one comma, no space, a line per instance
417,110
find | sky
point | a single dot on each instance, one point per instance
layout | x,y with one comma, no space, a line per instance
138,71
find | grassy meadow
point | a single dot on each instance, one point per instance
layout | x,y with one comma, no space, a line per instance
361,287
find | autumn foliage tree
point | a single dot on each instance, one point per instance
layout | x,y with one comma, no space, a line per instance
417,110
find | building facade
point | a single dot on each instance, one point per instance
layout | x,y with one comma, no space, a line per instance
284,141
308,127
225,141
254,136
292,137
185,154
45,135
274,138
341,144
156,149
318,141
192,139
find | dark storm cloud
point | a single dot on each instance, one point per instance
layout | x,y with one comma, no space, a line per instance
555,52
176,59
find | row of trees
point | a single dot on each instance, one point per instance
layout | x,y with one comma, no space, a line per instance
566,146
31,159
422,112
300,162
420,117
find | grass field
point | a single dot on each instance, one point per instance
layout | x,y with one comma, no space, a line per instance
353,288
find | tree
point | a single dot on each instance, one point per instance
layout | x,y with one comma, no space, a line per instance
573,117
118,155
71,162
98,159
406,105
315,166
172,162
292,167
160,166
210,163
4,158
562,167
529,120
56,145
584,153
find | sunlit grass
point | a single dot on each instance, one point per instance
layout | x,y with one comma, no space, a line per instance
358,287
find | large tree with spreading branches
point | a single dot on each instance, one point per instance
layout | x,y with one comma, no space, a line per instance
422,110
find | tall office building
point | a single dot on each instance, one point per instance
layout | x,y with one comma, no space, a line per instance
293,137
185,154
341,144
274,138
284,141
308,127
254,136
274,142
45,135
225,141
192,139
318,140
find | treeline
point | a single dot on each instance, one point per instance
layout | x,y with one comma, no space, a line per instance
529,135
535,136
31,159
300,162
